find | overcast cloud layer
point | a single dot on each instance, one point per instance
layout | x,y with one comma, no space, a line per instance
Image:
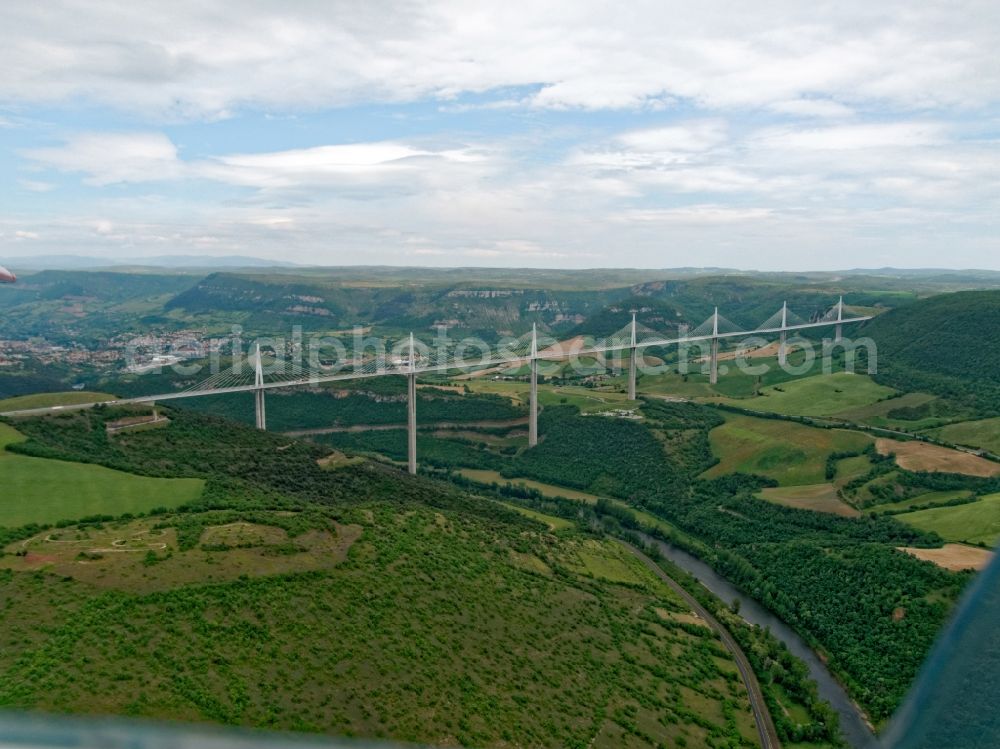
791,136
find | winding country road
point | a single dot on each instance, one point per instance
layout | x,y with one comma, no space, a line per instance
761,715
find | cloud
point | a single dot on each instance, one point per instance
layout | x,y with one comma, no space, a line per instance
697,214
379,162
34,185
775,126
188,59
654,148
113,158
854,137
108,158
818,108
689,137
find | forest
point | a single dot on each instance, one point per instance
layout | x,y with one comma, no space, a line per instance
805,566
948,345
316,409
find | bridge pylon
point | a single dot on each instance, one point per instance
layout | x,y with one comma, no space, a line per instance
411,414
838,335
533,397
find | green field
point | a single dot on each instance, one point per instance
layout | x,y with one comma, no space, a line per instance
816,497
516,391
849,468
820,395
44,400
671,383
37,490
484,476
877,414
977,522
930,498
984,433
588,400
552,521
792,454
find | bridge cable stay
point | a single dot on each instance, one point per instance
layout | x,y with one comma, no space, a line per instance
714,325
782,319
618,343
835,315
783,315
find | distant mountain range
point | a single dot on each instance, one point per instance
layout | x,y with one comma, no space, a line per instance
83,262
509,275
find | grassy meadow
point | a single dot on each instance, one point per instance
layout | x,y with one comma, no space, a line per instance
921,500
792,454
974,523
39,490
819,395
485,476
44,400
816,497
982,433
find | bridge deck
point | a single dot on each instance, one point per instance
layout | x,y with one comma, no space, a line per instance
314,379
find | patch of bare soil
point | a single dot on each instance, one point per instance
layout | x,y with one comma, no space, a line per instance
953,556
921,456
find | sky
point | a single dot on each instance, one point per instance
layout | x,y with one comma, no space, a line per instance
773,136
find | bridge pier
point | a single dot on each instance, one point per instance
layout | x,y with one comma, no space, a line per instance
258,397
713,372
258,394
783,339
533,397
838,335
631,364
411,415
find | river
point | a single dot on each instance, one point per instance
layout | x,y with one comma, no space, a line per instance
852,723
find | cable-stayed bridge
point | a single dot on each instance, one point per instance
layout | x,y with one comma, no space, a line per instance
416,358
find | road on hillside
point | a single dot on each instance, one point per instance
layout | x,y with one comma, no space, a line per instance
453,425
761,715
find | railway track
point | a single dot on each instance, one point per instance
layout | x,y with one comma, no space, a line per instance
761,715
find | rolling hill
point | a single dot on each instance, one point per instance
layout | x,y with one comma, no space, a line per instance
346,598
948,345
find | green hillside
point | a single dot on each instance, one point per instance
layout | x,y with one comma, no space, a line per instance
86,307
486,310
975,523
818,395
983,433
777,553
354,601
37,490
948,345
